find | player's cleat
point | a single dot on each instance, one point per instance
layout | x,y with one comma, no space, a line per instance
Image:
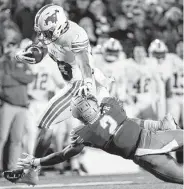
168,123
13,175
26,176
30,177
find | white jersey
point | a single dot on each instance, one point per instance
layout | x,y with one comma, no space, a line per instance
47,78
63,51
164,67
114,70
177,82
175,103
141,82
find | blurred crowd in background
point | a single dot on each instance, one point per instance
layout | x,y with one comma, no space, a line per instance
134,23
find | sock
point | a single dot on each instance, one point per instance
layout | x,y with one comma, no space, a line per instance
152,125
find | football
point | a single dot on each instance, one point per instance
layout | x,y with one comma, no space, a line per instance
35,52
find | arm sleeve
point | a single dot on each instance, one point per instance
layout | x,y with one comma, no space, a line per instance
59,157
23,76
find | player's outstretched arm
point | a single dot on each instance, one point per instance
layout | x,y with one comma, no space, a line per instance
60,157
52,159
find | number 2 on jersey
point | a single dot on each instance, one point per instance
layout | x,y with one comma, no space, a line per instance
108,122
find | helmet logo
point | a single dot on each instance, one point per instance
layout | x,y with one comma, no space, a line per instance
52,18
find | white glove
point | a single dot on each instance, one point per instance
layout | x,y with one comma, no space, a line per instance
86,89
27,161
23,57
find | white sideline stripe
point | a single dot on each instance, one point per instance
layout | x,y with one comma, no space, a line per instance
69,185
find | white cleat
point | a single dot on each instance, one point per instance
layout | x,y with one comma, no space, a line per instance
30,177
168,123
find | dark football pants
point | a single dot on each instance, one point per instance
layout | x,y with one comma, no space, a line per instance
163,166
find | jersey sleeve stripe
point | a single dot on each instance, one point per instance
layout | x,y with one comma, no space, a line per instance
77,48
82,44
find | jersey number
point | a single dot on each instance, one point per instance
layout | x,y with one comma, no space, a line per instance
107,122
178,80
142,86
40,81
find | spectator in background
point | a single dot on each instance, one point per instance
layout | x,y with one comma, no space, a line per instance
5,17
123,31
83,16
14,77
99,10
24,17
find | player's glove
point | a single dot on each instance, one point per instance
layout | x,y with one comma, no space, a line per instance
86,89
28,161
24,57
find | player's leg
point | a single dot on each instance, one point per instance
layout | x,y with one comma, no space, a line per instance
173,107
30,133
167,123
163,166
16,135
179,154
6,117
151,154
160,142
58,109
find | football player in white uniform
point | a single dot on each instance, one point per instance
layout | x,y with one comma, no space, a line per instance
159,52
170,67
46,82
175,103
142,84
68,45
110,59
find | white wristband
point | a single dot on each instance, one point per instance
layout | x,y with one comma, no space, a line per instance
36,162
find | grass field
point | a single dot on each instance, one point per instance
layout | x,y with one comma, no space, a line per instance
125,181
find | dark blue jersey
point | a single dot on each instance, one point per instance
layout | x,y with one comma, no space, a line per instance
109,130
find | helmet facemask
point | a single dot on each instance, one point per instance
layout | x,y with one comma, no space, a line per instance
50,23
111,55
85,108
111,50
51,35
158,49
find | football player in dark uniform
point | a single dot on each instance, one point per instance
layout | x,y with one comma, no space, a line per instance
107,127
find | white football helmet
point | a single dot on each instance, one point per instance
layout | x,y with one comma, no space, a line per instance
157,49
85,108
50,23
111,50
